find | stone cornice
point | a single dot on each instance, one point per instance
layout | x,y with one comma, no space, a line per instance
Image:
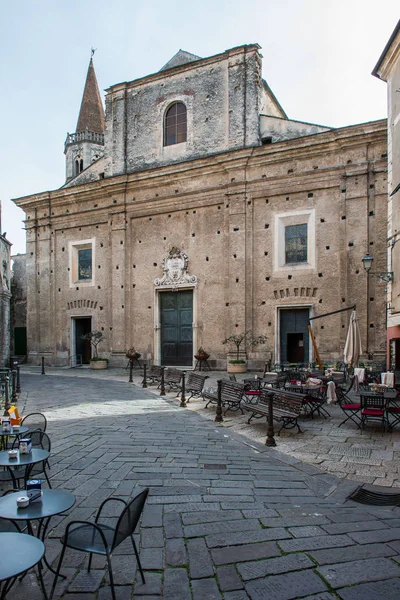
304,147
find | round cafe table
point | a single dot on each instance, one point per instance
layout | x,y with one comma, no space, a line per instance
23,460
22,553
4,435
54,502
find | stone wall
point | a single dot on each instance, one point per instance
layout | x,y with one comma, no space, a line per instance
222,211
5,297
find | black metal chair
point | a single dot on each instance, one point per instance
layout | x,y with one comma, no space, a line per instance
40,439
97,538
35,421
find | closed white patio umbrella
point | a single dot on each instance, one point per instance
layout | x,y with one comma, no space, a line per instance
352,348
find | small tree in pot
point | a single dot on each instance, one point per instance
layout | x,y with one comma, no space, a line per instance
95,337
241,342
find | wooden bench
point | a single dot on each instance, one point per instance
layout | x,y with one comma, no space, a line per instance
154,374
195,384
172,379
286,407
231,395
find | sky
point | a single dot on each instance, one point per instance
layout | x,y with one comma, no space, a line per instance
318,58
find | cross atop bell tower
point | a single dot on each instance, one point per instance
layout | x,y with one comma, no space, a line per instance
86,145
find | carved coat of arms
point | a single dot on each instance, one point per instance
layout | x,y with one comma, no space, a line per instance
175,265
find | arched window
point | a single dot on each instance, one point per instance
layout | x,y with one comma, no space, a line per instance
76,167
175,125
81,165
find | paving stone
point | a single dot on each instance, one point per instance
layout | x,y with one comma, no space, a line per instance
152,586
236,595
383,535
384,590
228,579
286,587
359,571
336,528
295,521
321,596
175,552
395,545
235,554
197,518
86,582
205,589
225,526
310,531
274,566
322,541
176,585
151,558
122,593
200,564
152,537
267,513
172,526
351,553
124,568
241,537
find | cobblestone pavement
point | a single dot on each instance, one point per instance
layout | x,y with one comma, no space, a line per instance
226,517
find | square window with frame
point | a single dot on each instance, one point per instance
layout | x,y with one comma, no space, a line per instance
294,241
81,261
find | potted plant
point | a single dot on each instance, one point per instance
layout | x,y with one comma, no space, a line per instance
241,342
95,337
201,354
132,354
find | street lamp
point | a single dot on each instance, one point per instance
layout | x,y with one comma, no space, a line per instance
383,275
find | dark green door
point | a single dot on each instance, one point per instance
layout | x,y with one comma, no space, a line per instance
20,346
176,328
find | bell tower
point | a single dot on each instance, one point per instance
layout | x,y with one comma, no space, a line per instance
86,145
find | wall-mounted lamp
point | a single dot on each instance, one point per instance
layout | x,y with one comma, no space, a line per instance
383,276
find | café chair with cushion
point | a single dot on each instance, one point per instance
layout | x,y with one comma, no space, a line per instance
40,439
98,538
373,409
35,421
351,409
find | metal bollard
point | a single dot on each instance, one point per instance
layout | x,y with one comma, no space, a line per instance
18,380
6,396
43,373
144,382
130,370
14,396
218,415
162,385
183,398
270,441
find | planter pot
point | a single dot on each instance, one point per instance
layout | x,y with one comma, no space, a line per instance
202,356
135,356
98,364
236,368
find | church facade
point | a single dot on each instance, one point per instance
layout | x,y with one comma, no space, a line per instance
194,209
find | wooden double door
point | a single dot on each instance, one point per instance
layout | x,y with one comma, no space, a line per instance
176,318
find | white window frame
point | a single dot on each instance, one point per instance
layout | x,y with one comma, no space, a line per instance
283,220
74,247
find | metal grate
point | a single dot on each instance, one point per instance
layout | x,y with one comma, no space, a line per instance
364,496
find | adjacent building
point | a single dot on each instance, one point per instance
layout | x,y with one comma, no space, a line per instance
388,69
194,208
5,298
